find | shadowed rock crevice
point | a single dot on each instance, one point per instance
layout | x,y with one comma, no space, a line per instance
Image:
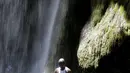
78,13
117,61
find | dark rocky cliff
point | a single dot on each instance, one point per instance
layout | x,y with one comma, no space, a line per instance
103,46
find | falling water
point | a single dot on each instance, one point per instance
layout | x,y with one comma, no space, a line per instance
28,31
44,44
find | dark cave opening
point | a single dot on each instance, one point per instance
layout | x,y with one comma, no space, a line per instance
78,13
81,11
118,61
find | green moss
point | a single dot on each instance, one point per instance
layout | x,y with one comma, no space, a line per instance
96,14
122,10
98,41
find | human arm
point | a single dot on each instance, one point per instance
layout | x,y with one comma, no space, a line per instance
56,71
68,70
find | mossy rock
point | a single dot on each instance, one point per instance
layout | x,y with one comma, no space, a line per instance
96,41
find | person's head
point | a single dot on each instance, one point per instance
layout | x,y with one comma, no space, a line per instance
61,62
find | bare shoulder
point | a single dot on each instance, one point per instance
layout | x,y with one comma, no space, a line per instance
56,70
68,70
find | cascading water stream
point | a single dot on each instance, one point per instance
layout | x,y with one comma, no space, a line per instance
45,43
29,30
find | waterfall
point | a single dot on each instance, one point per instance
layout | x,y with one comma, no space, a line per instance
50,12
29,30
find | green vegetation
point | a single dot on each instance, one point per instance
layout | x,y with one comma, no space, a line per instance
102,32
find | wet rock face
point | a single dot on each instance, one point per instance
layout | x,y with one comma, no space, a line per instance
103,40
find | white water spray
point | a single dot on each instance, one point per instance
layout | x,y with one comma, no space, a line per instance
49,21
